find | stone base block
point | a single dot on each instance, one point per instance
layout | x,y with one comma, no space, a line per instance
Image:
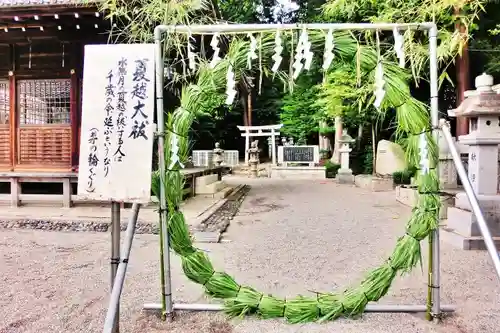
465,222
486,202
373,183
211,188
408,196
297,172
457,240
344,176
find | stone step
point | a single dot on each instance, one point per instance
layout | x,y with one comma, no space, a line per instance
206,236
222,194
455,239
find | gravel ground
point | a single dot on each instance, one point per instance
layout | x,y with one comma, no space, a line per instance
288,238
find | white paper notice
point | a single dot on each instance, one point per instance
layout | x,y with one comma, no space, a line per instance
117,136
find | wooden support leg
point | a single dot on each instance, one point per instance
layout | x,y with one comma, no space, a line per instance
66,193
15,191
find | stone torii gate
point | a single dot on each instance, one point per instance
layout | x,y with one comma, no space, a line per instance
266,131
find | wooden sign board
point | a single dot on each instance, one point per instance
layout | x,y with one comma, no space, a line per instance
117,130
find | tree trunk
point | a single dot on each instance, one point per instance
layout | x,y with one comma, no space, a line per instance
336,144
244,100
360,135
250,107
463,78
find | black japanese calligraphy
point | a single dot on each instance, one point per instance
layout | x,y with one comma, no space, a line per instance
138,93
109,93
121,107
92,159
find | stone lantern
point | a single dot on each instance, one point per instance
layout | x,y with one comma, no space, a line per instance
482,109
218,156
254,151
344,175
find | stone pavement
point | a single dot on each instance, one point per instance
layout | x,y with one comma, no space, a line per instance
191,208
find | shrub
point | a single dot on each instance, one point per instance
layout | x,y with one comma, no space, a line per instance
331,169
404,177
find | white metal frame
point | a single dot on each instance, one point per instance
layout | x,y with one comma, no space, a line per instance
246,28
437,308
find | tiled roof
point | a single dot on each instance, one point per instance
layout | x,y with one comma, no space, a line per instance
31,3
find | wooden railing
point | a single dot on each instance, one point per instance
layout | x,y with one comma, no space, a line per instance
44,146
5,146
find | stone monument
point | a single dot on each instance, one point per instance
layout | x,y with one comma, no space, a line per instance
482,108
253,152
344,175
390,158
218,155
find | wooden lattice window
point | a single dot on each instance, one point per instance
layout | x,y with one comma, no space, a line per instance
4,123
44,134
43,102
4,102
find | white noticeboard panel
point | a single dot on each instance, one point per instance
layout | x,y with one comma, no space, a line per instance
117,136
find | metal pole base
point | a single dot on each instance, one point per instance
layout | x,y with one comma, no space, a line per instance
369,308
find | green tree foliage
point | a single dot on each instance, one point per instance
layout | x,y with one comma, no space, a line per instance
446,13
299,115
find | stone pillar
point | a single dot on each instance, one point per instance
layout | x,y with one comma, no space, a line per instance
482,109
338,134
344,175
247,145
447,171
273,149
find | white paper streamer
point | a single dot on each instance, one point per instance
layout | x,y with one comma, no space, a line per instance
424,154
230,87
329,46
308,55
252,52
278,48
174,151
215,46
190,54
303,52
399,47
379,85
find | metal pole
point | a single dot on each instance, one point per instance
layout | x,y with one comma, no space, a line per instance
114,301
436,295
167,292
115,256
483,226
369,307
244,28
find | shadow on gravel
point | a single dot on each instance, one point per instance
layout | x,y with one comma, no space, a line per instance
184,322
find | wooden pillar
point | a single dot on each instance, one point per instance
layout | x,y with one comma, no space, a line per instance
73,111
13,119
463,77
15,192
